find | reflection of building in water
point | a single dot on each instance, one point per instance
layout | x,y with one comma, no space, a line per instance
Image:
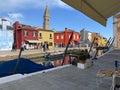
116,31
6,35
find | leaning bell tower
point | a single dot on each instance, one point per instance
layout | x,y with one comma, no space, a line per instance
46,19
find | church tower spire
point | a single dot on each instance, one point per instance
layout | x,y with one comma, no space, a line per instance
46,19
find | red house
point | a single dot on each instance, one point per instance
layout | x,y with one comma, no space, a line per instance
61,38
25,35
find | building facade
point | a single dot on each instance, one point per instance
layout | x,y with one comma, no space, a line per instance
103,41
88,37
116,31
61,38
46,37
6,34
97,40
84,35
25,36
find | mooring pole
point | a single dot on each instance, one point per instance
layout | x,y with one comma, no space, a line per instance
17,62
67,48
92,45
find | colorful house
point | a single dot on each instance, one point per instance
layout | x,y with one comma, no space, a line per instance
6,34
25,36
97,41
46,36
61,38
103,41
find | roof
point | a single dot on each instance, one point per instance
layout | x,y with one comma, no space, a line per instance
46,13
98,10
69,30
10,28
27,27
40,29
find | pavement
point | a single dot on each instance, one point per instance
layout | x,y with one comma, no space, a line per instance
69,77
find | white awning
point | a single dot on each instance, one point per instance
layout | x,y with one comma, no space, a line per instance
33,41
99,10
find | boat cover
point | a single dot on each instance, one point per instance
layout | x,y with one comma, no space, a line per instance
25,66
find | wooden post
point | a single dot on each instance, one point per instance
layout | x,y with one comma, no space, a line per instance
108,41
92,45
112,42
17,62
67,48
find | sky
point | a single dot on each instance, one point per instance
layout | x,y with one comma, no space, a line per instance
30,12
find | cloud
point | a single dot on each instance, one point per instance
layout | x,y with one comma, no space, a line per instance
12,5
14,17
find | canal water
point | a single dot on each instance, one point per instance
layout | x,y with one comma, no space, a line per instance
55,60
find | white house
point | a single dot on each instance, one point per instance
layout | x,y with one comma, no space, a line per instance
6,34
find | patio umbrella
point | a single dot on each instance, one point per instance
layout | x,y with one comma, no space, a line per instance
99,10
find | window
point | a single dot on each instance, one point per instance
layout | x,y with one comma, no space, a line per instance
57,37
40,35
50,36
96,38
77,36
74,36
34,34
62,37
25,33
69,36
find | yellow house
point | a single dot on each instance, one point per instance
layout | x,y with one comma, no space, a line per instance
46,36
103,41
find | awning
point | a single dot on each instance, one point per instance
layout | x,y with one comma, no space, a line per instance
33,41
99,10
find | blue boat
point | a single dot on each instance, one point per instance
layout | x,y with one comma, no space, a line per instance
25,66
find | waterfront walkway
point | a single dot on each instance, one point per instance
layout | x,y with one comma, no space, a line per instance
8,55
69,77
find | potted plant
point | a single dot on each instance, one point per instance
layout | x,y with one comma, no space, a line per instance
80,56
84,55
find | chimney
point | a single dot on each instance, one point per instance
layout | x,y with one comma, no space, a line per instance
16,25
66,29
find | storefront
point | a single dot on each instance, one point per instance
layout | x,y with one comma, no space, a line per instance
32,44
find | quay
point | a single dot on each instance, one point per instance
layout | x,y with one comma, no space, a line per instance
68,77
8,55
